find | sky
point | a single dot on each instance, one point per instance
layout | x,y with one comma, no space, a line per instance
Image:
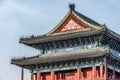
20,18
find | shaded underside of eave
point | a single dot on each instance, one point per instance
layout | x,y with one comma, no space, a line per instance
113,57
63,36
113,35
49,58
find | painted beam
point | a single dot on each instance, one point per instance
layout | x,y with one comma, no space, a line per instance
66,67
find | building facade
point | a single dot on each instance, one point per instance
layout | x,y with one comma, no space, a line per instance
78,48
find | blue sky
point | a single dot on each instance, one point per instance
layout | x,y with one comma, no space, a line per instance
27,17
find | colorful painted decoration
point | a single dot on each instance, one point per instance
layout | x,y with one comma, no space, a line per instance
72,25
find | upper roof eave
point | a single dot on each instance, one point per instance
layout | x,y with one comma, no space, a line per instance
79,16
62,36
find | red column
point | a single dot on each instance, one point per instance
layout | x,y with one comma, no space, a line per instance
78,73
55,76
114,75
101,72
22,74
32,76
105,73
81,75
38,76
41,77
93,72
60,76
52,75
35,75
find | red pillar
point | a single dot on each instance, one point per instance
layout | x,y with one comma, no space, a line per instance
55,76
22,74
52,75
38,76
93,72
41,77
32,76
78,73
101,72
114,75
81,75
60,76
105,73
35,75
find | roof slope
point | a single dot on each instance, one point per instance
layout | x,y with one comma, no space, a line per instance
64,56
79,20
93,28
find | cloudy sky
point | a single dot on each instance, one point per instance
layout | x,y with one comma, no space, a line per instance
27,17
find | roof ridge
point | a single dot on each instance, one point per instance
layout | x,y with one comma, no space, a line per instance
87,18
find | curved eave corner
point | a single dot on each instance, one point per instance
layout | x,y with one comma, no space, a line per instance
16,63
114,57
46,58
114,35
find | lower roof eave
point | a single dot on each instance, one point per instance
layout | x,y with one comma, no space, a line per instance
50,58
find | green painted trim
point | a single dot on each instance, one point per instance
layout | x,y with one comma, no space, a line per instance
67,67
113,68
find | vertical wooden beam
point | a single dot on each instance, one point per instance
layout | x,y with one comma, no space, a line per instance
78,73
38,76
101,72
105,65
61,76
32,76
52,75
81,75
41,77
22,74
114,75
55,76
93,72
35,76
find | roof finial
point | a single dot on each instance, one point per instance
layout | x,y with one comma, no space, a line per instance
72,6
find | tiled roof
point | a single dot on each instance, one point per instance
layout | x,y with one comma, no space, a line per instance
62,56
96,28
88,19
42,39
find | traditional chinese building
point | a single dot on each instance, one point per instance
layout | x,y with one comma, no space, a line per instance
78,48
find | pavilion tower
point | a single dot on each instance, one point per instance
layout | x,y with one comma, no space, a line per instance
78,48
